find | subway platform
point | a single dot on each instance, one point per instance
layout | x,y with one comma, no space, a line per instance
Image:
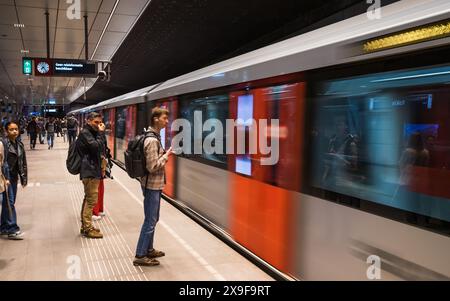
48,212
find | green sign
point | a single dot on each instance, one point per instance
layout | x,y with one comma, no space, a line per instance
27,66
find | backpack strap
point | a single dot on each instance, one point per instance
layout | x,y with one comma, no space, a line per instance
149,134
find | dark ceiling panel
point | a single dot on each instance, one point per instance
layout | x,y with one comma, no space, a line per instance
174,37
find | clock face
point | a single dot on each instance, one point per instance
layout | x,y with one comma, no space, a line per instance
43,67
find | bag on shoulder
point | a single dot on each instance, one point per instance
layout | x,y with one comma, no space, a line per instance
73,162
135,161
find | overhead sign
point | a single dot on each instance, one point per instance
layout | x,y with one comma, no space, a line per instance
74,68
27,66
61,67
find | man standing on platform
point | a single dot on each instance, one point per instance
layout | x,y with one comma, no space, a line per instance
152,186
90,145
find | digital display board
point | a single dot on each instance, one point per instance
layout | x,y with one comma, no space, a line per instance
60,67
74,68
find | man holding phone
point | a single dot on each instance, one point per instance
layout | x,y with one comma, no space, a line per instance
152,185
92,170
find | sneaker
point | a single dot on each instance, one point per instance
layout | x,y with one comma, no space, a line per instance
145,261
16,236
102,214
96,217
155,254
4,233
92,233
49,147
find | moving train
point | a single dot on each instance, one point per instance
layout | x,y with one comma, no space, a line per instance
360,190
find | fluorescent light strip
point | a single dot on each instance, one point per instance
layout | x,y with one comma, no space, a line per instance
409,77
104,29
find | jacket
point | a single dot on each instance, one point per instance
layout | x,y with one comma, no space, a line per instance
50,127
32,127
91,147
156,159
15,159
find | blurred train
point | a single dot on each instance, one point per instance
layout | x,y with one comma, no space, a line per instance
361,189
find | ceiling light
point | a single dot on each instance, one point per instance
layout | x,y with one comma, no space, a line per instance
17,25
24,51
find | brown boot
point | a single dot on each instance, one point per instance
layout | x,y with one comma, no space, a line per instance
83,231
155,254
145,261
92,233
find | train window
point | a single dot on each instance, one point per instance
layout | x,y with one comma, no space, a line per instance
212,107
142,112
125,129
108,119
385,138
244,115
167,134
285,104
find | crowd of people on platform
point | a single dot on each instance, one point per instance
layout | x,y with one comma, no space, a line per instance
90,146
13,159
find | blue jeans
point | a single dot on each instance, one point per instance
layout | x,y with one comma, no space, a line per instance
9,223
50,139
151,210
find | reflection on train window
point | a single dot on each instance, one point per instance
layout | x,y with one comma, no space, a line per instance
167,134
108,119
125,129
385,138
212,107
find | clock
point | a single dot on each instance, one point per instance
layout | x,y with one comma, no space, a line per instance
43,67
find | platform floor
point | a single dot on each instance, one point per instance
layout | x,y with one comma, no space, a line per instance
48,212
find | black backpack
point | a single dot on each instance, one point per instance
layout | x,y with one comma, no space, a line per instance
73,162
135,162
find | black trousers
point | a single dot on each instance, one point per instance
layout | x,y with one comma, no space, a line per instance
33,137
72,136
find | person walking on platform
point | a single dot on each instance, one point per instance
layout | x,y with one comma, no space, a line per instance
41,130
152,186
72,128
50,127
57,127
32,129
90,145
16,168
64,128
